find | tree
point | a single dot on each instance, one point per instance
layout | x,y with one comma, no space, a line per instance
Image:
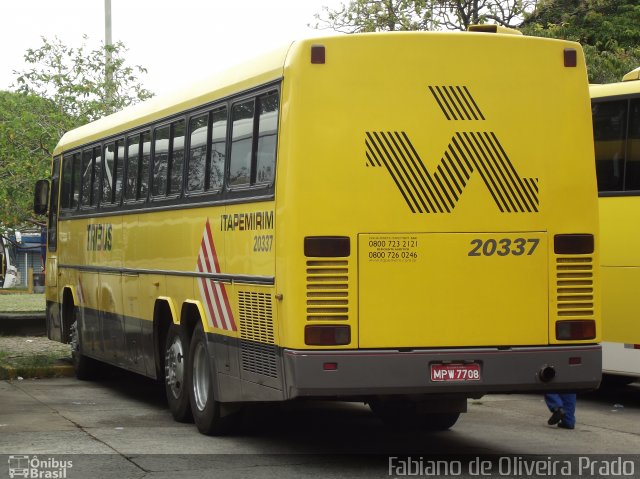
74,78
609,31
62,88
29,129
391,15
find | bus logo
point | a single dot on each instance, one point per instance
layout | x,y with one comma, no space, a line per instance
468,153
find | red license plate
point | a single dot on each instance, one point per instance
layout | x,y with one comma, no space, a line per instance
455,372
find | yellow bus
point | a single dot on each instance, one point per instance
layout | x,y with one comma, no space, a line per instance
400,219
616,127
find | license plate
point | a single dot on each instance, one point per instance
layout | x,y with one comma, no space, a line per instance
455,372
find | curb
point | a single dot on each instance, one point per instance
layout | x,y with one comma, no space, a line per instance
55,371
23,323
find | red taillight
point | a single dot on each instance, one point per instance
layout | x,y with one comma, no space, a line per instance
327,335
573,244
318,54
576,330
575,360
327,246
570,57
330,366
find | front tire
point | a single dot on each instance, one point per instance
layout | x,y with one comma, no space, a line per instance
176,368
207,411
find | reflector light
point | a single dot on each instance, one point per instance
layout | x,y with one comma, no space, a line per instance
327,335
573,244
570,57
330,366
575,361
318,54
576,330
327,246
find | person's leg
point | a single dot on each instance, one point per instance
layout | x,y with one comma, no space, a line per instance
569,407
555,405
554,401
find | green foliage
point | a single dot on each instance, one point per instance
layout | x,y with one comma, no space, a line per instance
75,79
359,16
396,15
30,126
62,88
609,31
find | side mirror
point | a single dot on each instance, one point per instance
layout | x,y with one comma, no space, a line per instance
41,197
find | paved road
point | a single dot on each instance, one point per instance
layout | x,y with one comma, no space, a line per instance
124,424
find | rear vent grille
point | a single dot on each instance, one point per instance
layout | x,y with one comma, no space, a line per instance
258,352
574,280
256,317
327,290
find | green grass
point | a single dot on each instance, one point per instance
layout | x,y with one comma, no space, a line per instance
19,303
38,365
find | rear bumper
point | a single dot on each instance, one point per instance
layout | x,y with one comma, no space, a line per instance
385,372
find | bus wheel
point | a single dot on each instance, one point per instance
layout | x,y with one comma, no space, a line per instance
438,421
207,411
176,371
85,368
403,414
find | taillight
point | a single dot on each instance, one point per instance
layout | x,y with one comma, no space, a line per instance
570,57
327,246
327,335
573,244
318,54
576,330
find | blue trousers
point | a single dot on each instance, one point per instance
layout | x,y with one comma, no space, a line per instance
567,402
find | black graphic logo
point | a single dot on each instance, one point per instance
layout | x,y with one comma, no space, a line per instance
468,152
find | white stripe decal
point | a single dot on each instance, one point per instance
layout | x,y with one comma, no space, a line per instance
213,294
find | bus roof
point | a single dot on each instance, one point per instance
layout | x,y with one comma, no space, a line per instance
614,89
253,73
266,68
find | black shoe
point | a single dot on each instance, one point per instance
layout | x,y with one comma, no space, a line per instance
556,417
565,425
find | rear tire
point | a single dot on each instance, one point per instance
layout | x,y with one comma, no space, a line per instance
207,410
403,414
85,368
176,367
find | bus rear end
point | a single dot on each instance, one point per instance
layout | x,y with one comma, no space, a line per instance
441,230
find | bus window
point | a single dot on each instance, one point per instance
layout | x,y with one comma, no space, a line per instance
87,177
133,158
241,143
109,173
609,126
198,127
119,171
632,172
267,130
177,157
144,167
160,161
218,149
67,182
97,175
77,180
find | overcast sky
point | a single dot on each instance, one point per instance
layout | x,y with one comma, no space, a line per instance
178,41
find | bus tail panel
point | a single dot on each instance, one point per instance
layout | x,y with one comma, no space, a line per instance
447,289
420,371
